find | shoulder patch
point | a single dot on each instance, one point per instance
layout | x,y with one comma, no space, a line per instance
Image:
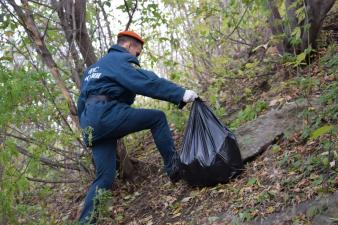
93,73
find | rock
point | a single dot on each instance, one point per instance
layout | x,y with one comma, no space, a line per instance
321,210
255,136
328,216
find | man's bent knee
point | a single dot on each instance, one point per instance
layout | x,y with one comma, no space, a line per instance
160,115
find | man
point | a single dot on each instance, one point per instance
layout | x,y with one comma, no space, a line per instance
108,89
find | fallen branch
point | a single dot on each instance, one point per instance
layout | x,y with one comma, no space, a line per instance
59,151
47,161
52,181
243,77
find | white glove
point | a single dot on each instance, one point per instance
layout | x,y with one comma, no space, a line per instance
189,96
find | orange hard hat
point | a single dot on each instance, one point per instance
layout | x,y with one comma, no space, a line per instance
131,34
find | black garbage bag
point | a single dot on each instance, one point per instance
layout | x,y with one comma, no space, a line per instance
210,152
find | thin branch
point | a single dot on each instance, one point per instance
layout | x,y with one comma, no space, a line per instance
59,151
40,3
70,37
62,116
228,37
239,22
27,57
127,7
38,14
33,141
52,181
13,15
82,37
99,32
192,36
48,91
105,16
240,42
47,25
45,160
130,14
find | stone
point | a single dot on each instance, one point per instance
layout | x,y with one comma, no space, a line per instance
255,136
325,210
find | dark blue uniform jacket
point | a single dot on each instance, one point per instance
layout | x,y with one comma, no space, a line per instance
119,76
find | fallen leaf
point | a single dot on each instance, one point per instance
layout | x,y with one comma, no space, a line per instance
176,215
332,164
273,102
270,209
186,199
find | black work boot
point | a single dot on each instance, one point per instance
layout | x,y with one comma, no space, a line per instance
175,173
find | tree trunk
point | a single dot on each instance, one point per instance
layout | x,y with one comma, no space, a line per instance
315,13
72,15
64,11
275,22
82,36
126,166
105,16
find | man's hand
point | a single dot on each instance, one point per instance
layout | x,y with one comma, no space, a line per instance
189,96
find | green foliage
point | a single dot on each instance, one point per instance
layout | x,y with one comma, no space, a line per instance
102,201
297,60
14,189
321,131
275,148
313,211
178,118
252,181
324,121
307,84
27,106
330,59
246,215
249,113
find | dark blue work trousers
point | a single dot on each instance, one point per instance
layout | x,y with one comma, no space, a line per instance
104,151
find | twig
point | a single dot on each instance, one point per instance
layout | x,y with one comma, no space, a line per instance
240,42
239,22
243,77
33,141
28,57
47,25
130,14
52,181
99,32
330,158
228,37
46,161
105,16
40,3
13,15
